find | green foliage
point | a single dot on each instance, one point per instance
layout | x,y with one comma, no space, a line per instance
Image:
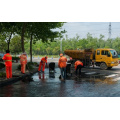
15,58
28,67
2,65
3,44
2,74
19,67
53,48
15,45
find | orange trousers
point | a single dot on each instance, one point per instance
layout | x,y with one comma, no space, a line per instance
41,65
41,76
23,66
8,72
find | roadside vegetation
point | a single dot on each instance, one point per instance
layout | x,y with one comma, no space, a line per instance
38,39
53,48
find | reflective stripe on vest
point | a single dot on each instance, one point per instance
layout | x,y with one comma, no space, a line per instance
8,60
8,55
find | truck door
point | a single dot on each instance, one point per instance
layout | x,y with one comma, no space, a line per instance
105,56
98,56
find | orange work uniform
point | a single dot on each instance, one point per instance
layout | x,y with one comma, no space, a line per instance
23,61
78,65
8,64
62,64
42,64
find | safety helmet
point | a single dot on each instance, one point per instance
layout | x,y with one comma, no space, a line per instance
61,54
24,53
46,57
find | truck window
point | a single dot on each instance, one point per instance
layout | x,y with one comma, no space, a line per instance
114,54
98,52
105,52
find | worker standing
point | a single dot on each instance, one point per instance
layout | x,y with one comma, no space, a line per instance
78,66
23,61
8,64
62,65
42,64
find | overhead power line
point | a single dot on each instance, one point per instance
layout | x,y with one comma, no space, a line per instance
110,30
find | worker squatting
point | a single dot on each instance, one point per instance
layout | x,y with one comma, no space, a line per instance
62,63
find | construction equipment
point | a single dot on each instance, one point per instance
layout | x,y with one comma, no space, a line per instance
103,57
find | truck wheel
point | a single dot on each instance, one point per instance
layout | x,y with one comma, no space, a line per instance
103,66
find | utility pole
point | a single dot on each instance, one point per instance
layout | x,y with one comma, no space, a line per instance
110,30
61,45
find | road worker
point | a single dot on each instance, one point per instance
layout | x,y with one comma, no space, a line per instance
70,58
23,61
78,66
8,64
62,65
41,76
42,64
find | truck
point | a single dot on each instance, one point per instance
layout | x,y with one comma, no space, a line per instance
103,57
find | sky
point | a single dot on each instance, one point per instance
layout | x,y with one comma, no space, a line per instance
94,28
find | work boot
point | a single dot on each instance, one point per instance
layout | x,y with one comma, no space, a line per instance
62,79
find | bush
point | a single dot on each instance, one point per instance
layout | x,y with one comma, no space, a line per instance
2,65
19,67
28,67
33,63
2,74
15,58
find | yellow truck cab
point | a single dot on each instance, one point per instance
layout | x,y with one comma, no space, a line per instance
106,58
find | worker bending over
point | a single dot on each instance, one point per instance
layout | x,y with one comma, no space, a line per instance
78,66
42,64
62,65
23,61
8,64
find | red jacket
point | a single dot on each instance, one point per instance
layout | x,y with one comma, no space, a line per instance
78,63
43,60
8,59
62,62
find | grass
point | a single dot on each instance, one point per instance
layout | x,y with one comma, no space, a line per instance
49,56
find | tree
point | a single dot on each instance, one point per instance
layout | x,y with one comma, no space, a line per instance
7,30
3,45
16,44
42,31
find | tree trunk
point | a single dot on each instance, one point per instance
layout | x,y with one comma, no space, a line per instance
31,49
22,36
9,40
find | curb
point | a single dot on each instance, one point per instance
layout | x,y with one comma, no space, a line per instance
15,79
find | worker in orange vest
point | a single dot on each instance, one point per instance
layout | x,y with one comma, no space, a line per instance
23,61
78,66
42,64
70,58
62,65
8,64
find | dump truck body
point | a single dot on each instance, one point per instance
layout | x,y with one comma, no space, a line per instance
105,58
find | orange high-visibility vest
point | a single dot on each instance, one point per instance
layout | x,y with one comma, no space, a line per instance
62,62
8,59
23,59
43,60
78,63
